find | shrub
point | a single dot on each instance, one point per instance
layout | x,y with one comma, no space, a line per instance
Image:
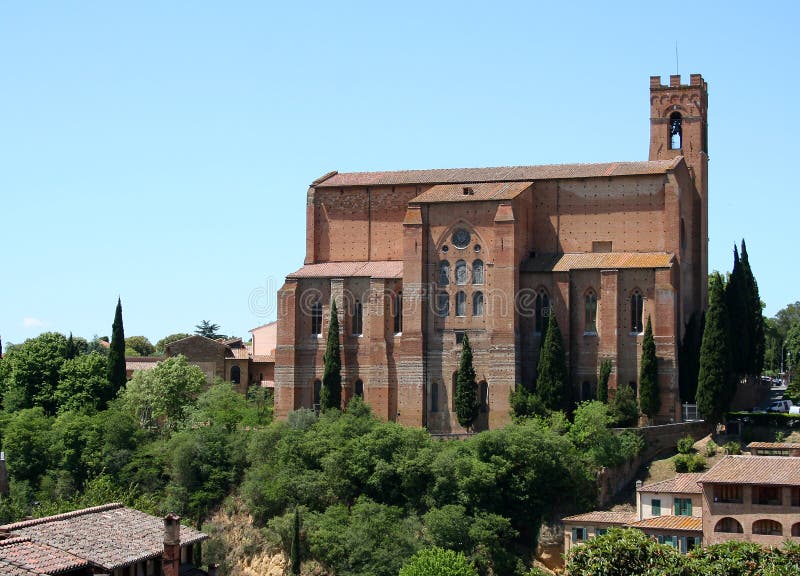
696,463
686,445
711,449
681,462
438,562
732,448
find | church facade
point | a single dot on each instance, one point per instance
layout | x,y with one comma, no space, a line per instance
417,259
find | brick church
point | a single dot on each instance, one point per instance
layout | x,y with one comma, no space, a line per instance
416,259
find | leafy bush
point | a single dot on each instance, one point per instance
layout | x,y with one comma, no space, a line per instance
624,408
686,445
711,449
681,462
767,419
438,562
623,553
732,448
697,463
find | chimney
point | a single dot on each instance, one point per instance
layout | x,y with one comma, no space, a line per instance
3,476
171,562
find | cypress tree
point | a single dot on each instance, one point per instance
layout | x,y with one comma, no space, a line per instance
72,349
689,356
756,330
466,398
715,385
602,380
551,383
649,397
295,552
737,305
331,393
116,356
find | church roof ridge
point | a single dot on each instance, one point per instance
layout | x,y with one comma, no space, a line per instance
497,174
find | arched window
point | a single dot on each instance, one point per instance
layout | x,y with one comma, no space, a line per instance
729,525
358,318
477,272
359,388
477,304
444,273
317,392
435,397
542,309
461,272
637,307
461,303
796,529
675,131
398,312
443,304
591,312
767,528
483,396
236,375
316,318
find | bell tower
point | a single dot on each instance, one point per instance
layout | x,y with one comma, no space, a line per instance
679,127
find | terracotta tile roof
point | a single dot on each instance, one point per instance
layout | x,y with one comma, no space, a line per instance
680,523
775,470
108,536
603,517
681,484
142,362
9,569
774,445
497,174
547,262
372,269
263,358
471,193
238,353
38,557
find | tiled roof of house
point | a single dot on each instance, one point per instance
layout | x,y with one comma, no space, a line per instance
372,269
472,192
681,484
547,262
108,536
680,523
238,353
263,358
775,470
136,363
38,557
11,569
774,445
603,517
497,174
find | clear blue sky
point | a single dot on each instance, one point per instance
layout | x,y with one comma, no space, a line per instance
161,151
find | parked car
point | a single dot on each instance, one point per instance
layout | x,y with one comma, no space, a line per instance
794,409
780,406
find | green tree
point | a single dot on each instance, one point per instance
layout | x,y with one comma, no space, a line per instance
295,554
689,356
26,442
466,394
525,404
715,386
602,380
83,382
161,397
117,375
649,396
551,382
624,410
161,345
331,393
756,332
208,329
737,305
436,561
32,371
628,552
221,405
141,345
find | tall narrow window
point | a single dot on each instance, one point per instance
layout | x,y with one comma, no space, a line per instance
461,303
477,272
316,318
435,397
359,388
591,312
443,304
317,393
477,304
542,309
461,272
637,305
398,312
358,318
236,375
444,273
675,131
